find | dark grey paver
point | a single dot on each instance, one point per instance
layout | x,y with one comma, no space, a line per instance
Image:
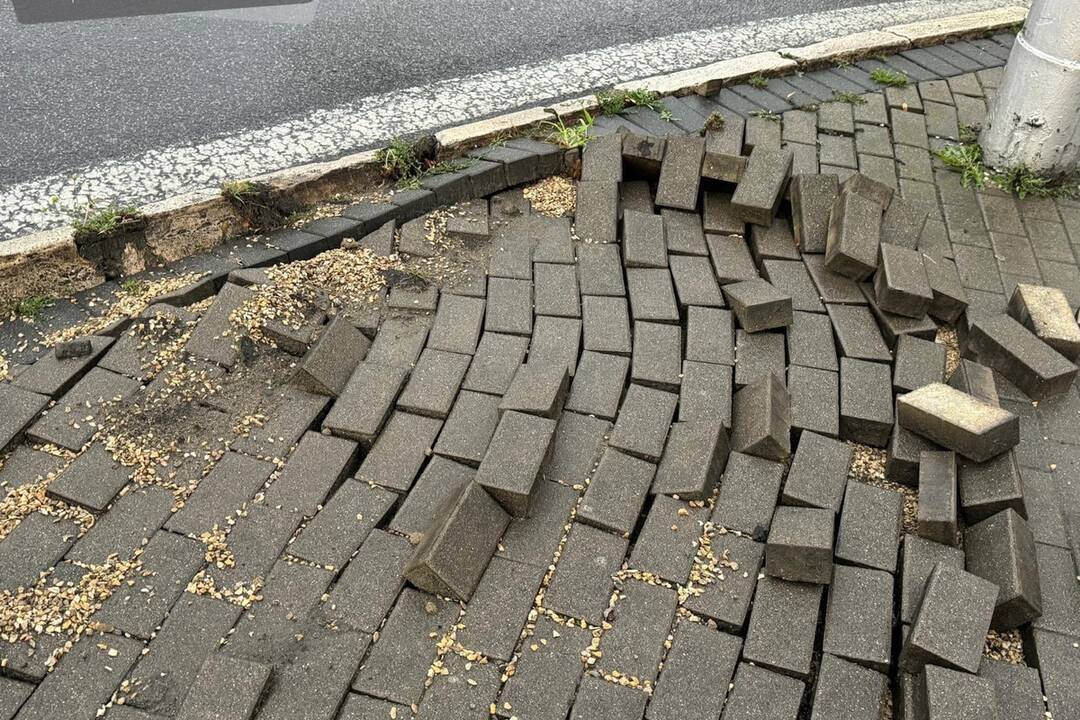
748,494
857,333
847,691
858,621
751,684
596,218
1046,312
512,258
758,355
762,185
468,429
644,240
939,502
581,586
538,388
499,607
26,465
70,422
32,547
657,356
791,277
719,218
214,337
556,290
457,324
233,481
92,480
918,362
598,385
652,296
958,421
726,599
399,340
818,475
1001,549
944,693
800,545
684,232
731,258
340,527
705,393
533,539
680,172
617,492
1016,687
668,540
226,687
812,198
496,360
866,412
314,469
575,449
815,400
642,425
515,459
365,404
556,342
782,626
1008,347
869,534
833,288
367,588
464,691
598,699
759,305
695,283
510,306
901,284
919,558
603,160
709,335
810,341
773,242
695,456
854,236
543,686
761,419
397,456
640,621
894,326
326,368
688,688
133,518
606,324
599,270
440,479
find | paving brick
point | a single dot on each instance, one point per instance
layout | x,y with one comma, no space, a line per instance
657,356
496,360
900,284
705,393
554,243
32,547
599,270
758,305
748,495
731,258
919,558
938,497
818,475
893,326
533,539
1061,597
440,479
866,413
366,402
849,691
60,425
515,459
469,427
782,627
723,150
839,152
945,694
53,374
575,449
510,307
596,218
683,232
958,421
1017,689
644,240
512,258
543,686
857,333
761,419
193,631
812,199
606,324
695,283
603,160
399,341
14,695
1045,311
26,465
640,621
668,540
810,341
751,684
367,588
213,337
340,527
1001,549
598,386
918,362
581,586
457,324
398,663
642,154
869,534
693,460
92,480
951,622
718,217
687,687
133,353
330,362
800,545
833,288
762,185
314,469
598,699
233,481
1045,514
680,172
499,607
642,425
397,456
773,242
133,518
617,492
762,132
756,354
465,690
815,400
556,342
791,278
652,296
858,621
556,290
225,686
538,388
854,236
709,336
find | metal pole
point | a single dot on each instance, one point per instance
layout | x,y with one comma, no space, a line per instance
1034,120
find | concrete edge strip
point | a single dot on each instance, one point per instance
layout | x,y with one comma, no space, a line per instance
310,183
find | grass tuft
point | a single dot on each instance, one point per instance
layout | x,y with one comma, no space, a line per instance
614,102
888,78
967,159
759,81
766,115
238,191
848,97
574,135
133,287
102,222
29,307
715,121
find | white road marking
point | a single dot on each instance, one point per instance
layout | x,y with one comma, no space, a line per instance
369,122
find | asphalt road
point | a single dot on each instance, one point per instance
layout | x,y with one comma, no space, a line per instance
78,93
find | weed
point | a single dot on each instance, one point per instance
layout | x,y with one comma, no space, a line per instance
968,134
238,191
568,136
133,287
93,221
29,307
848,97
667,116
715,121
614,102
842,64
765,115
967,160
1019,180
759,81
399,159
889,78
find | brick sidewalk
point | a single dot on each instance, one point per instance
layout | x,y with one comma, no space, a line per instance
650,462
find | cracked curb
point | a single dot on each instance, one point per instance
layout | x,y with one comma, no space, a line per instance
205,219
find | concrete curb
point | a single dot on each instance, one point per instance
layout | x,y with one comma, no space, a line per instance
196,222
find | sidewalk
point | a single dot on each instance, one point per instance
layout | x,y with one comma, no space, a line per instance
525,446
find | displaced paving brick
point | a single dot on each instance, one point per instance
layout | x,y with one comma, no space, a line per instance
640,621
773,242
833,288
668,540
15,692
538,388
731,258
719,218
596,218
977,380
761,419
644,241
32,547
296,412
398,663
866,412
554,243
232,483
944,693
603,159
598,385
366,402
818,475
469,427
397,456
543,686
782,626
214,337
758,305
680,172
618,489
846,691
330,362
858,621
951,622
1046,312
340,527
918,362
1005,345
800,545
695,282
723,150
812,198
515,460
557,290
938,497
894,326
499,607
869,534
858,334
751,684
496,360
920,557
791,278
52,374
748,494
315,468
756,354
369,584
556,341
600,270
440,479
693,460
92,480
657,356
457,324
581,586
456,548
399,341
709,336
606,324
684,233
762,185
512,258
71,422
958,421
642,153
705,393
533,539
854,236
133,518
687,687
900,284
21,408
652,296
226,687
575,449
510,307
642,425
815,400
1017,688
810,341
902,224
1001,549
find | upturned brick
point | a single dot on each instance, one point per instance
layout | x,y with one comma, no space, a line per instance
723,150
1045,311
762,419
1001,549
759,305
1005,345
958,421
900,283
854,235
800,545
812,198
939,504
762,185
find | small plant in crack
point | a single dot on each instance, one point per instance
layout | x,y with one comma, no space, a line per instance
574,135
94,221
239,191
29,308
133,287
667,116
766,115
842,64
888,78
759,81
614,102
969,134
408,162
967,159
848,97
715,122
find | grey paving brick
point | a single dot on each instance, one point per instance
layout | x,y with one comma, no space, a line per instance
756,354
1001,549
761,419
617,492
26,465
773,242
603,160
314,469
233,481
1043,502
606,324
668,540
951,622
762,185
466,690
866,412
688,688
515,459
440,479
748,495
869,534
901,284
709,336
812,198
340,527
366,402
919,558
496,360
596,219
598,386
719,218
695,282
941,120
950,299
598,699
782,626
214,338
705,392
364,592
918,362
556,290
818,475
226,686
858,621
643,153
731,258
726,599
958,421
945,693
14,695
290,593
680,172
753,683
397,665
1016,687
644,240
543,686
657,357
810,341
1045,311
761,131
846,690
60,425
857,333
468,429
836,117
1059,591
837,150
758,305
512,258
538,388
652,296
581,586
640,621
815,400
791,277
800,545
599,270
642,425
939,502
854,235
510,307
723,150
92,480
533,539
397,456
498,609
693,460
833,288
133,518
32,547
989,487
399,341
575,448
683,232
326,368
457,324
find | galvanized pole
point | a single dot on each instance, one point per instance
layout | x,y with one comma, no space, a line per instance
1034,120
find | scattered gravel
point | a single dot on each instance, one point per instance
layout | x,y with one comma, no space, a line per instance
554,196
947,336
868,466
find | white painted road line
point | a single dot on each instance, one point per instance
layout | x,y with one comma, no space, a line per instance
369,122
